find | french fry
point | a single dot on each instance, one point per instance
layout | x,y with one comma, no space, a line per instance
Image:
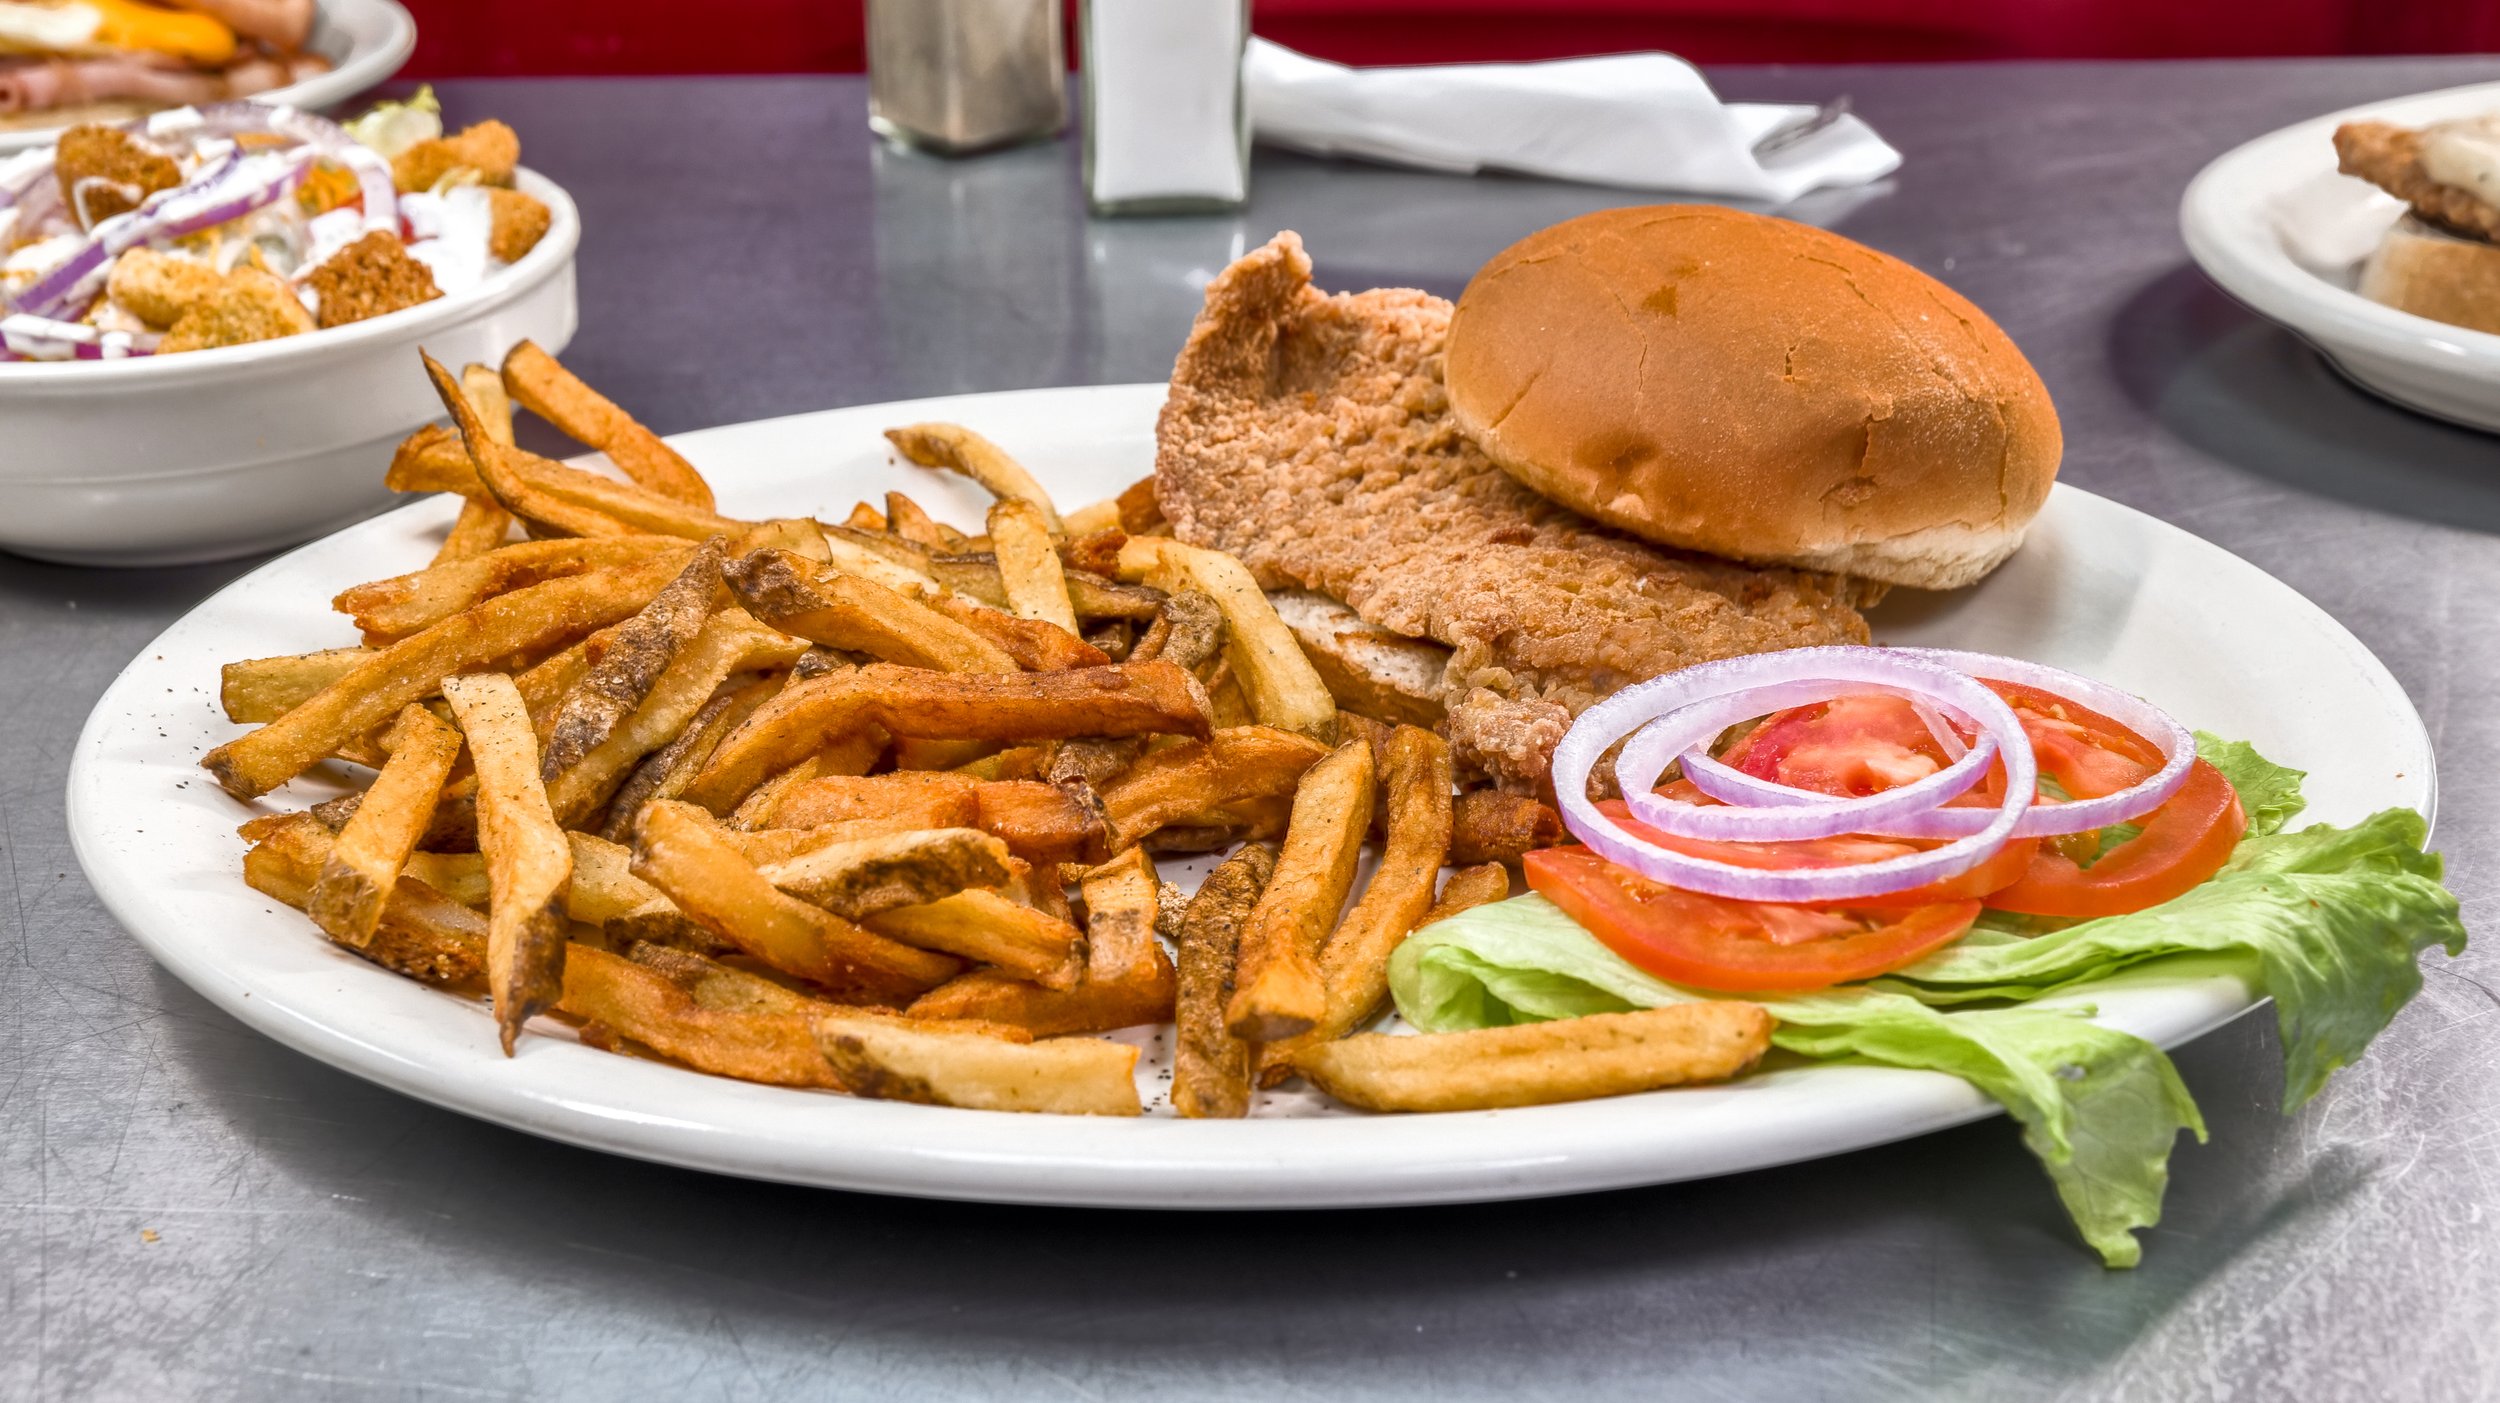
1127,978
556,395
371,849
860,879
1278,990
1466,889
907,519
1492,826
481,525
1370,670
423,934
986,927
1041,823
1124,699
1028,564
433,459
777,1049
1068,1076
954,447
1035,646
665,772
524,621
881,559
1534,1064
728,642
635,654
1211,1067
728,989
1197,781
920,798
1188,630
1140,513
391,609
1093,518
604,887
1283,689
1354,964
859,615
680,850
529,863
264,689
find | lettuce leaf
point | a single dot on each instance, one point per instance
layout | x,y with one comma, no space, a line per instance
2326,921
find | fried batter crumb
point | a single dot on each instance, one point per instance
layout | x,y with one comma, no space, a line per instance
104,171
369,277
158,288
1311,436
2390,157
520,221
249,305
490,148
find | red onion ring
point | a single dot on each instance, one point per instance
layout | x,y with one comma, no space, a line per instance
1677,735
1598,728
33,337
2177,745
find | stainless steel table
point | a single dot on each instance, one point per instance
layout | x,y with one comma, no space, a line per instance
189,1210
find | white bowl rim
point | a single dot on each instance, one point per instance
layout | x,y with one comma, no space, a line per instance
2262,275
555,249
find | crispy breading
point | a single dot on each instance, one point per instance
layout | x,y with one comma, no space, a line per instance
520,221
158,288
248,305
105,171
1310,435
490,148
369,277
2390,157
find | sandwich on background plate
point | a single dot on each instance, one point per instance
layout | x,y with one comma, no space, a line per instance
2440,261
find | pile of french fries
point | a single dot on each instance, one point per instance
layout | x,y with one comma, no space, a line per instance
874,806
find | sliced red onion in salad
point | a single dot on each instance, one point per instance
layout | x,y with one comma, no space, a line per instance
1617,717
1675,718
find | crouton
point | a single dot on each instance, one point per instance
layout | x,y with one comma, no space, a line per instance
489,148
248,305
369,277
520,222
104,172
158,288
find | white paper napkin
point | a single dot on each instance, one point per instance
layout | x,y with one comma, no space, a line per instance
1646,121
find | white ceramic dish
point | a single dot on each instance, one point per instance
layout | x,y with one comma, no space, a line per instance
2100,588
213,454
365,41
2277,226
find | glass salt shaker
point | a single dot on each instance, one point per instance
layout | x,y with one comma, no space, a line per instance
1167,126
958,76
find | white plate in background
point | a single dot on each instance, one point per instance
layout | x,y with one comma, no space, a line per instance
2280,229
2100,589
365,40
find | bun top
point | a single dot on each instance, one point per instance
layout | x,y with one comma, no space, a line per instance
1757,389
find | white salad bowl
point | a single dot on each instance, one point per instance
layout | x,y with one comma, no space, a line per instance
206,455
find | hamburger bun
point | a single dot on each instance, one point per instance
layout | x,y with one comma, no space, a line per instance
1757,389
2433,274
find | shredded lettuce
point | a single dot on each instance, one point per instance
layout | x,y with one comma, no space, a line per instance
2327,921
393,127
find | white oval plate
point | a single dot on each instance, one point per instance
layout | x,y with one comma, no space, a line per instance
2280,229
365,40
2100,588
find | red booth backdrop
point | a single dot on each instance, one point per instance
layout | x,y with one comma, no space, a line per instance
472,37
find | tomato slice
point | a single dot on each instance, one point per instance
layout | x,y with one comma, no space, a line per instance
1853,746
2182,843
1737,947
2007,865
2088,754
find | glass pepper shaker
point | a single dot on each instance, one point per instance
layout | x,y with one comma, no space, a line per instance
959,76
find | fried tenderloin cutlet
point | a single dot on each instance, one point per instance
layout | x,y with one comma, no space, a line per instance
2390,157
1310,435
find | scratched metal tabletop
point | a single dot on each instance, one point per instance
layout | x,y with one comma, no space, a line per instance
188,1210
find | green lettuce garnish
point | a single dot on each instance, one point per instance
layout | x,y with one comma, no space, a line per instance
2326,921
393,127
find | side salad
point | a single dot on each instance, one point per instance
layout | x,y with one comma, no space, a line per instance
1925,859
202,227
